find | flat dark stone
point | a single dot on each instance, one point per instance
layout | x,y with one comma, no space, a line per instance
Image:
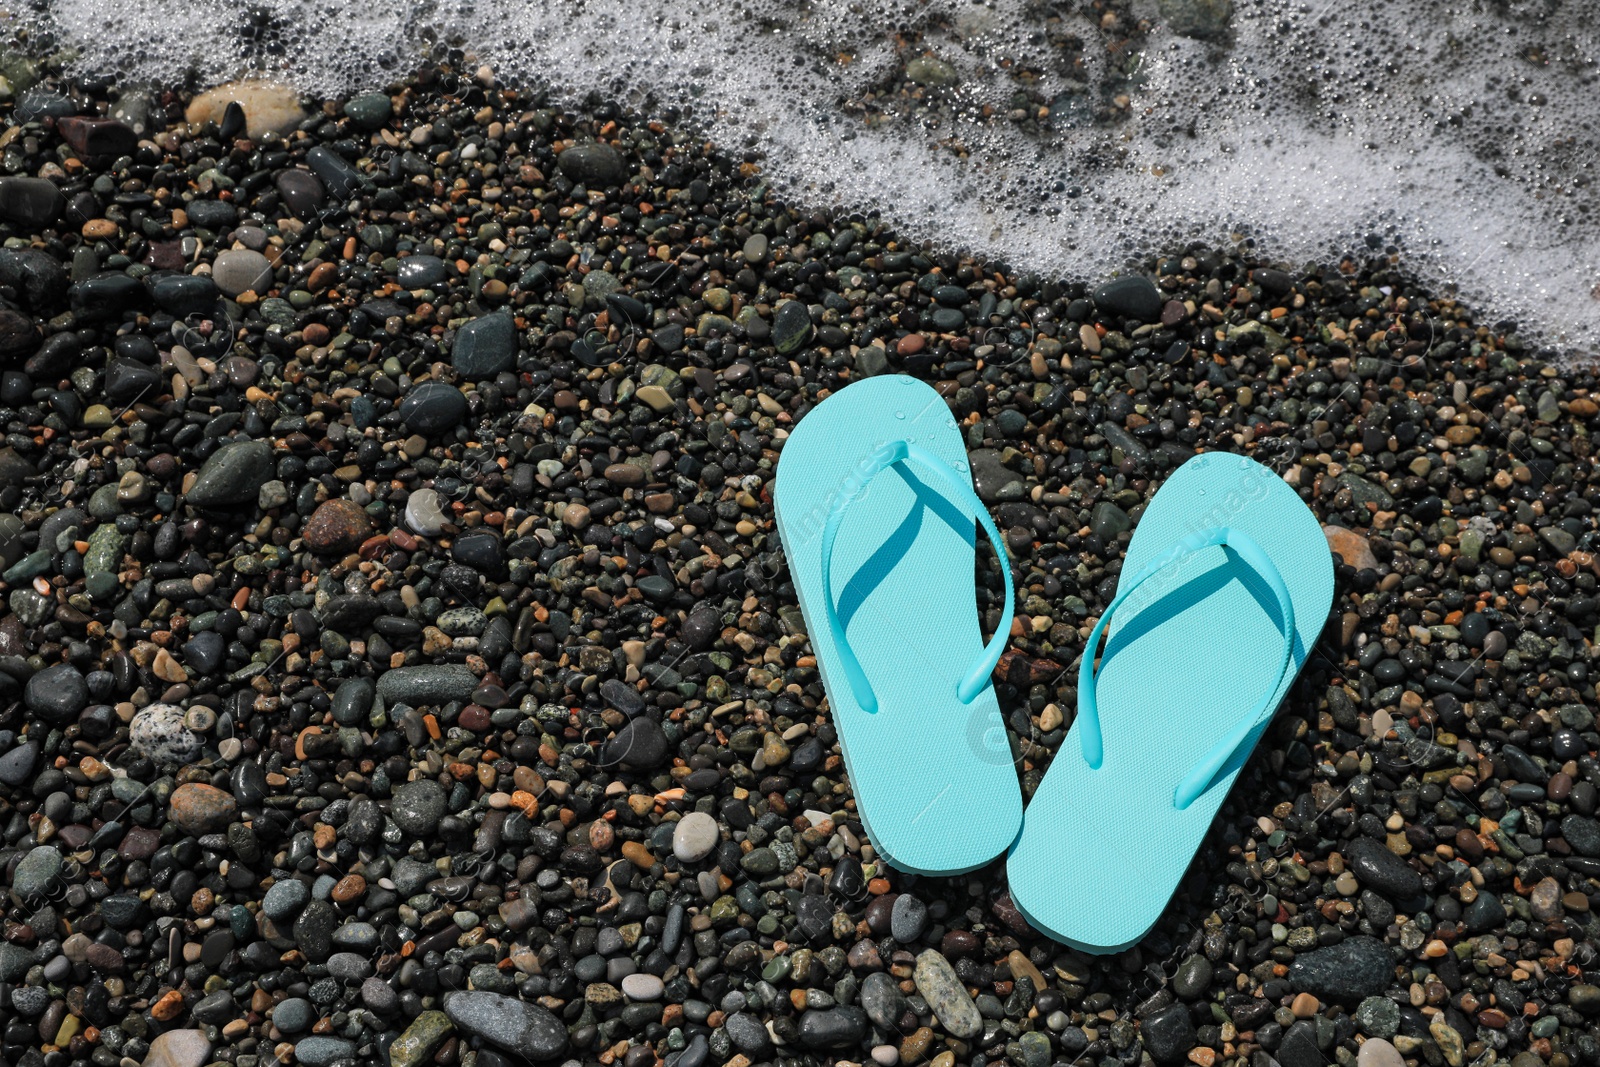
57,693
30,202
128,379
485,346
844,1026
233,475
1168,1033
1380,869
39,275
184,294
432,408
1357,968
97,137
517,1026
641,743
1134,297
594,164
335,172
212,214
303,193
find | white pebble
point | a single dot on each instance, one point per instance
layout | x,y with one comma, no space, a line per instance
695,837
642,987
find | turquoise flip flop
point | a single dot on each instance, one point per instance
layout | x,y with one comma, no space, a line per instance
1226,586
876,514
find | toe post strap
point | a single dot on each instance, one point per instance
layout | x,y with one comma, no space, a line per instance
1209,767
954,486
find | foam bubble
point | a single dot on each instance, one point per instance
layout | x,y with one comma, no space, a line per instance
1458,136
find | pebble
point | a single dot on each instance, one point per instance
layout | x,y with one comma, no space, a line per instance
791,326
424,514
242,270
695,837
284,899
1359,967
31,202
178,1048
418,807
839,1027
232,475
159,734
642,987
1377,1052
595,164
641,743
908,918
1381,869
337,527
1168,1033
318,1051
417,1045
432,408
1378,1017
429,684
269,107
17,764
199,809
938,984
57,693
514,1025
485,346
1133,297
36,873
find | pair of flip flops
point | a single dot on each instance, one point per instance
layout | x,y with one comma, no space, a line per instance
1226,585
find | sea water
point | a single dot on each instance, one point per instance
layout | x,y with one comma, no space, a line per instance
1458,138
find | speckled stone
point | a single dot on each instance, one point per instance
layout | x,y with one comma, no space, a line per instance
158,734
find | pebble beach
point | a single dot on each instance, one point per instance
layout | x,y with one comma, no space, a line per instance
399,665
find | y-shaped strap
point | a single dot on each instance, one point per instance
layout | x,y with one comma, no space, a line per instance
1205,771
954,486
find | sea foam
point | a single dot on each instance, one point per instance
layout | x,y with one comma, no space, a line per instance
1459,138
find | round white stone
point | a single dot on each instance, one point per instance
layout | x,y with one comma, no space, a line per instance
642,987
1376,1052
695,837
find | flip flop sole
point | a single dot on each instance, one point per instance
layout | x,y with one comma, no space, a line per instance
934,780
1103,849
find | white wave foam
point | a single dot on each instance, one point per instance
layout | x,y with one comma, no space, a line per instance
1460,135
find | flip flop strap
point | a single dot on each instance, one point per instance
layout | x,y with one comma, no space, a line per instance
1205,771
954,486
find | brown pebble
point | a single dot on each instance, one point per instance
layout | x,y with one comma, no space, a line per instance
322,276
1022,967
168,1007
99,229
1304,1006
958,943
635,853
198,809
624,474
1468,844
473,717
350,887
337,527
103,958
910,344
916,1044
